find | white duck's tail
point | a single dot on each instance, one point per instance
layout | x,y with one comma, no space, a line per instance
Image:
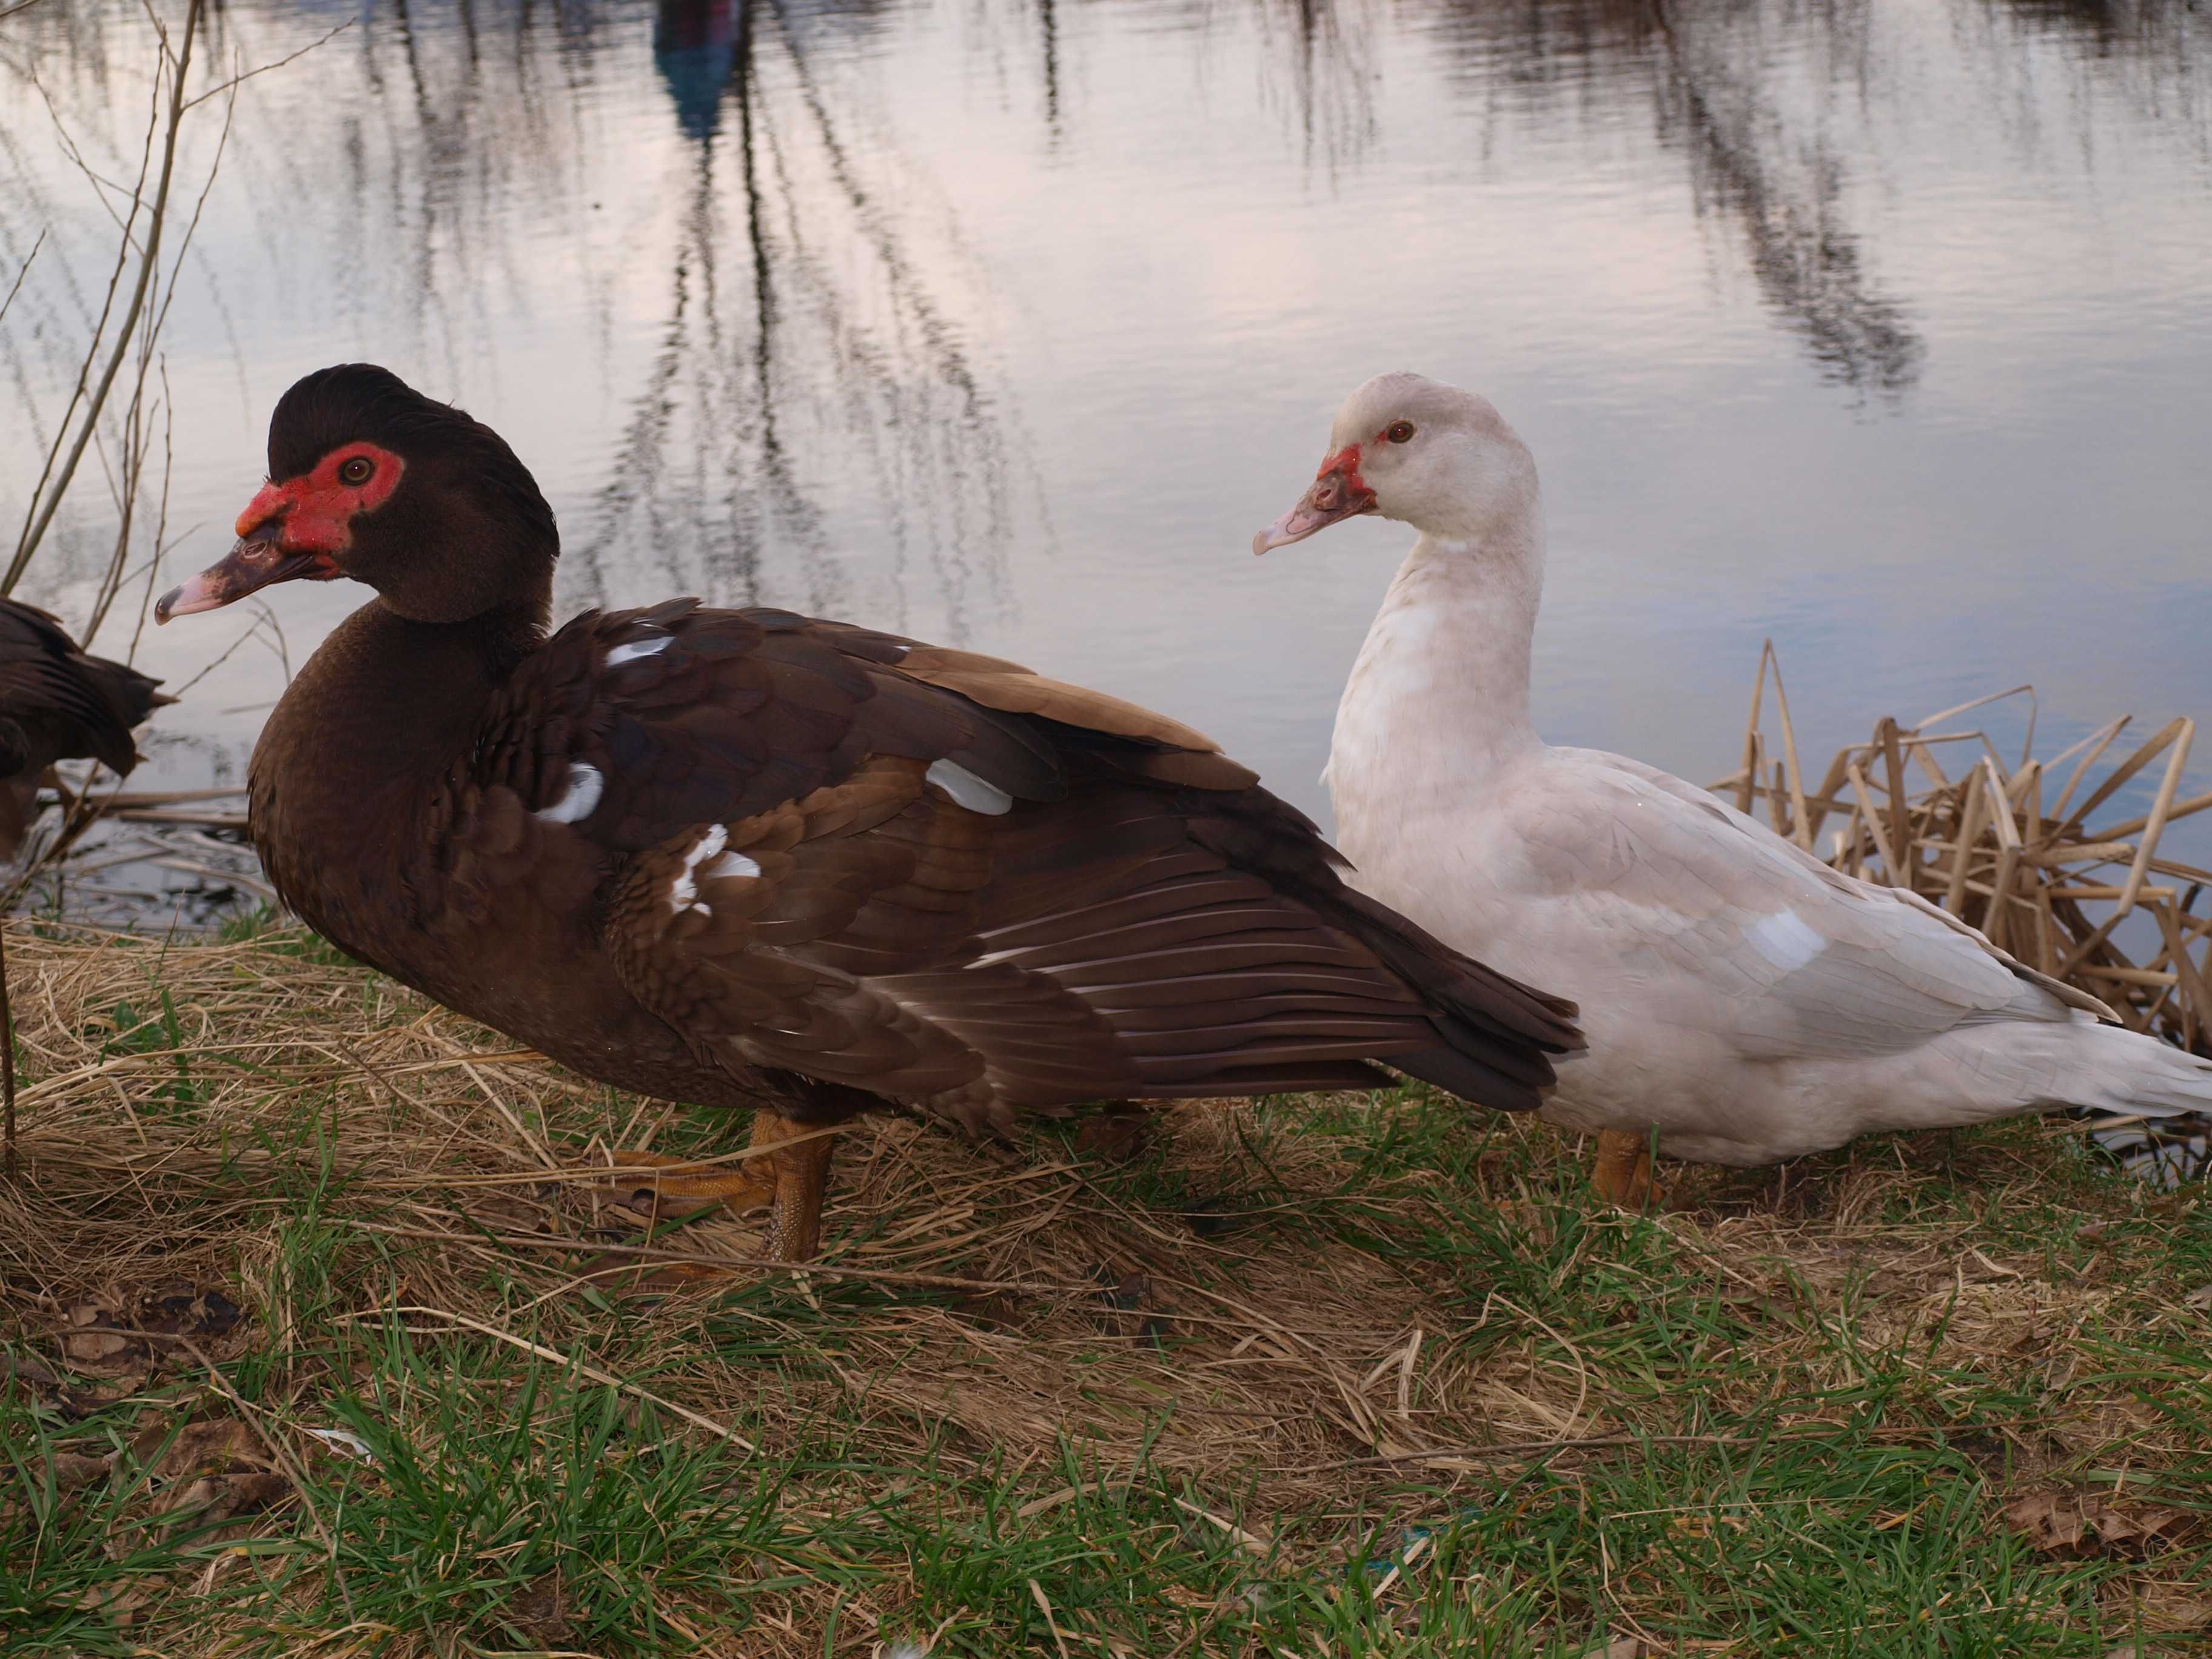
2115,1070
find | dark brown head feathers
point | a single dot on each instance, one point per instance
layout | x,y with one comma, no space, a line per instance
466,532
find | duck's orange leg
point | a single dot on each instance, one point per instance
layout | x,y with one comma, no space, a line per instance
1623,1173
787,1181
800,1172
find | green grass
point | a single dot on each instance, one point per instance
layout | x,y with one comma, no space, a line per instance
1825,1392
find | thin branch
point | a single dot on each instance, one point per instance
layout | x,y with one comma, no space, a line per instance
162,519
25,269
151,333
237,80
35,531
123,245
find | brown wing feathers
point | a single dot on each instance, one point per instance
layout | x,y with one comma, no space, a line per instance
64,703
57,703
1116,910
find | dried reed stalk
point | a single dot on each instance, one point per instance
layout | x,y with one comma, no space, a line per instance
2043,882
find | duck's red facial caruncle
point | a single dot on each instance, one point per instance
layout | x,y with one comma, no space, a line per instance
299,527
1337,492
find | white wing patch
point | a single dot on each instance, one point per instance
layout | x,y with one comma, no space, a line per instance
631,650
586,786
969,790
1785,940
684,892
730,864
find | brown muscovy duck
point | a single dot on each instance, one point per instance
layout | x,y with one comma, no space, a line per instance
56,703
754,860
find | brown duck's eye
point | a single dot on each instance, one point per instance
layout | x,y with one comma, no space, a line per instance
1401,432
357,471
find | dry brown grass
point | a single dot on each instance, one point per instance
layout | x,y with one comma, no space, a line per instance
1301,1324
2015,847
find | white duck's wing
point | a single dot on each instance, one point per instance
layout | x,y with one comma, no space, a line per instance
1750,937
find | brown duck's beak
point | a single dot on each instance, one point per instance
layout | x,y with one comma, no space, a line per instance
1338,493
259,559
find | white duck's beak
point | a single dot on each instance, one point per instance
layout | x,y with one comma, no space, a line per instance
1337,492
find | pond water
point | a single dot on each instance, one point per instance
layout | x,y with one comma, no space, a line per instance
1879,327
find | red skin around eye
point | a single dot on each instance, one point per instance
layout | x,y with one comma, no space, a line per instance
318,510
1347,462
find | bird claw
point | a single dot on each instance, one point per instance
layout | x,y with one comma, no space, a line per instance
664,1188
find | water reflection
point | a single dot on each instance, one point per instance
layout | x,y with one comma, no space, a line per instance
453,181
817,302
1742,92
798,316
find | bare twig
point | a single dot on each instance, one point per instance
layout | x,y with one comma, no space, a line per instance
24,270
43,509
238,80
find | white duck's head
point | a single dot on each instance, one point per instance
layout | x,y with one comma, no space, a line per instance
1418,450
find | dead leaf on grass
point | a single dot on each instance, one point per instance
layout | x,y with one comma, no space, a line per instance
122,1338
221,1496
27,1367
2089,1523
74,1469
213,1469
2175,1606
124,1601
208,1445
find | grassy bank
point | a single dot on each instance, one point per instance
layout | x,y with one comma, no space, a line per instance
319,1338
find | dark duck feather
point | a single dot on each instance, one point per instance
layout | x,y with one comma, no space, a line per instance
57,703
750,859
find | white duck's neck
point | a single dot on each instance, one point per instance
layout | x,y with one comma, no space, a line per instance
1437,702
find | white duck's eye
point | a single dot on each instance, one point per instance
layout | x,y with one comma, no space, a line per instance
358,470
1401,432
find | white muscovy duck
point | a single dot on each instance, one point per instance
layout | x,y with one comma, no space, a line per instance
1744,1003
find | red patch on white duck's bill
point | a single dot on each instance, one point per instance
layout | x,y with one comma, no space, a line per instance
1337,492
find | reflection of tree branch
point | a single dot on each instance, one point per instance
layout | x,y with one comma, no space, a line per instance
887,364
1804,257
797,516
1748,168
967,455
1049,25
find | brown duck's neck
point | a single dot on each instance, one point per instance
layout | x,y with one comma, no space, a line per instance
380,714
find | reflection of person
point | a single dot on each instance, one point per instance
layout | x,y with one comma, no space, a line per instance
694,46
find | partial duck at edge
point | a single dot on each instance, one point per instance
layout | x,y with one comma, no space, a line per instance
57,703
1743,1002
749,859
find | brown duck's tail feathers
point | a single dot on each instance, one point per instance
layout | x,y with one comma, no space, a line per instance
131,695
68,705
1495,1036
